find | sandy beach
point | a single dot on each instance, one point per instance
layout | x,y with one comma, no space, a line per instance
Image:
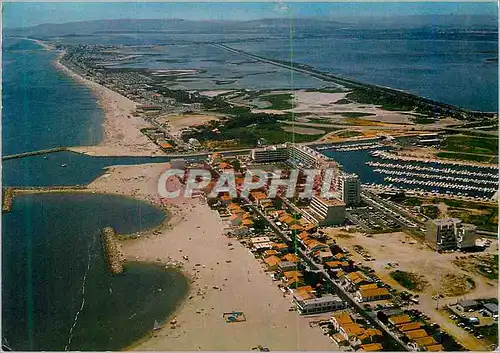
122,135
225,277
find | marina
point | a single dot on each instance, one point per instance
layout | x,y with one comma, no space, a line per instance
432,169
351,147
441,185
424,193
391,156
434,176
458,179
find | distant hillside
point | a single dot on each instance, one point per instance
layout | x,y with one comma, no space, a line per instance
476,22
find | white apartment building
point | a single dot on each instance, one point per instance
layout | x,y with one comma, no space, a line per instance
270,154
323,304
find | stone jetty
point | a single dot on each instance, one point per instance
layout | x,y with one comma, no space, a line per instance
113,256
7,197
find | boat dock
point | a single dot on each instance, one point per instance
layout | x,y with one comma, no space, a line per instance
34,153
111,252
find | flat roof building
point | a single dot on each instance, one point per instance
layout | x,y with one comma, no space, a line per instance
270,154
449,234
349,187
467,304
323,304
327,211
491,308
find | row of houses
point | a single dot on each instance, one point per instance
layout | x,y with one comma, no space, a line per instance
363,287
348,332
413,332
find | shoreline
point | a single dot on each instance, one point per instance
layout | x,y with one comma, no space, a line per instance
121,130
222,275
159,244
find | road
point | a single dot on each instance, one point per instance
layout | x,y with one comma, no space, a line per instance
341,291
305,69
318,268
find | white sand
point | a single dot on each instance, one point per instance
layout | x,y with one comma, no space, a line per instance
122,135
196,231
178,122
214,93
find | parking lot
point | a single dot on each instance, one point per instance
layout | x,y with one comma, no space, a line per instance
387,252
476,322
372,220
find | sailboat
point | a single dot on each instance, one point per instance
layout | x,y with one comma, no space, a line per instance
156,326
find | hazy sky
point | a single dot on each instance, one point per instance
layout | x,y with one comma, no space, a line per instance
17,14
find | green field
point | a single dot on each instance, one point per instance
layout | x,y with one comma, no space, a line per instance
423,120
343,101
484,216
470,144
465,157
430,211
280,101
246,128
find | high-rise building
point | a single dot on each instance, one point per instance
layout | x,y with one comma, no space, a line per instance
349,188
450,234
305,157
466,236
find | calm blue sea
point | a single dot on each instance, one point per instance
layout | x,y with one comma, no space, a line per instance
53,267
50,244
444,66
42,107
49,240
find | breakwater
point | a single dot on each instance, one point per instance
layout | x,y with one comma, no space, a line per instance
9,193
34,153
7,197
111,252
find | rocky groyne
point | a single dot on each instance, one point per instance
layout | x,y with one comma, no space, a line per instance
111,252
7,197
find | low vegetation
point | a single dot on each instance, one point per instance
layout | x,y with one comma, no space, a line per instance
349,133
423,120
431,211
280,101
482,215
465,157
470,144
485,264
409,280
355,114
246,128
453,285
